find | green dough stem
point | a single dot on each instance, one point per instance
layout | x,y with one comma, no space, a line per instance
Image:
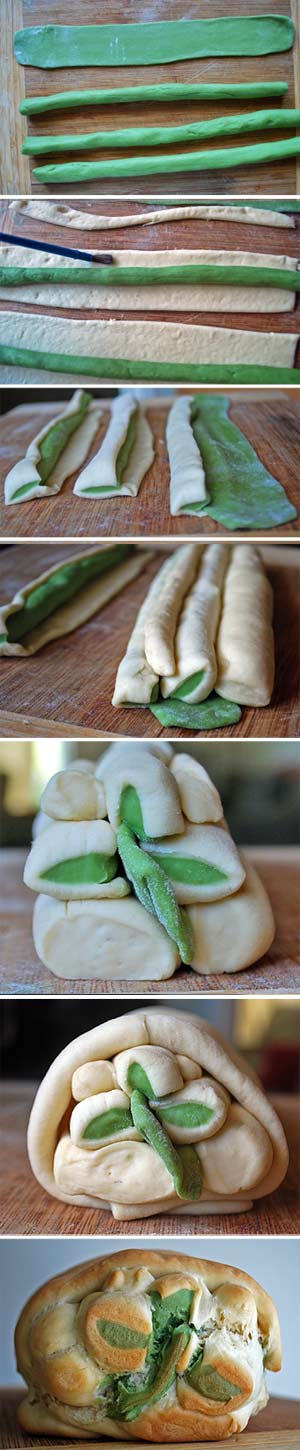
206,1381
201,274
154,889
62,586
138,136
66,100
87,870
189,869
267,151
242,493
164,372
131,811
152,1131
205,716
54,46
115,1120
133,1400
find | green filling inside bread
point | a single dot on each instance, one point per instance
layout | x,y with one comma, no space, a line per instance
89,870
189,869
121,1335
61,587
51,447
185,1115
131,810
114,1121
187,686
206,1381
137,1078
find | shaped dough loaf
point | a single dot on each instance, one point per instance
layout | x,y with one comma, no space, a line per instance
64,861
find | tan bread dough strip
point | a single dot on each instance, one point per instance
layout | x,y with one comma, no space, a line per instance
199,798
187,476
197,626
231,934
72,456
245,643
102,940
71,615
178,296
151,341
101,471
172,584
57,213
161,1027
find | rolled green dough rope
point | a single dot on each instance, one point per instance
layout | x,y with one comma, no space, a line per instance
199,273
168,91
54,46
164,372
266,151
139,136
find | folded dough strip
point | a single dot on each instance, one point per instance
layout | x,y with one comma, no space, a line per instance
267,152
245,642
195,658
74,429
124,565
125,455
140,136
164,92
164,604
62,215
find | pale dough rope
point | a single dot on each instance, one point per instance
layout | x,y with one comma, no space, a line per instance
59,214
97,1321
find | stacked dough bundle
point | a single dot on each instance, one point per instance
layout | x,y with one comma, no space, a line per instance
125,1121
136,871
147,1345
206,623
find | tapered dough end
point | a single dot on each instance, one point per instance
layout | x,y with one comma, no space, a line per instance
74,795
199,798
102,940
233,933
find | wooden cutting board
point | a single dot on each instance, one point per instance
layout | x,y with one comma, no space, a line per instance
21,972
26,1209
279,179
67,688
271,423
276,1428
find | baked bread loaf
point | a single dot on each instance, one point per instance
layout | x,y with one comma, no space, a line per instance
155,1112
150,1346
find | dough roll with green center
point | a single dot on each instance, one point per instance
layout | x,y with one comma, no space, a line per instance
207,1123
245,642
195,658
57,450
65,596
75,860
125,455
202,866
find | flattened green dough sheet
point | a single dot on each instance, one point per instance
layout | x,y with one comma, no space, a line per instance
207,715
53,46
266,151
242,494
139,136
167,91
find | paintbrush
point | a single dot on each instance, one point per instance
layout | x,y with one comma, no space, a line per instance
104,259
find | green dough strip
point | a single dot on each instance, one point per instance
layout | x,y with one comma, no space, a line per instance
53,46
154,890
205,716
184,1115
188,869
131,811
66,100
121,1335
137,1078
114,1121
242,493
266,151
136,1399
201,274
126,369
86,870
61,586
187,1179
138,136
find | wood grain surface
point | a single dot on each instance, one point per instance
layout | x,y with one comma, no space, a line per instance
21,972
69,684
271,179
27,1209
185,234
275,1428
270,421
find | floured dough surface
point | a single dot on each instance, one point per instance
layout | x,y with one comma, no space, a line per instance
179,297
157,341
